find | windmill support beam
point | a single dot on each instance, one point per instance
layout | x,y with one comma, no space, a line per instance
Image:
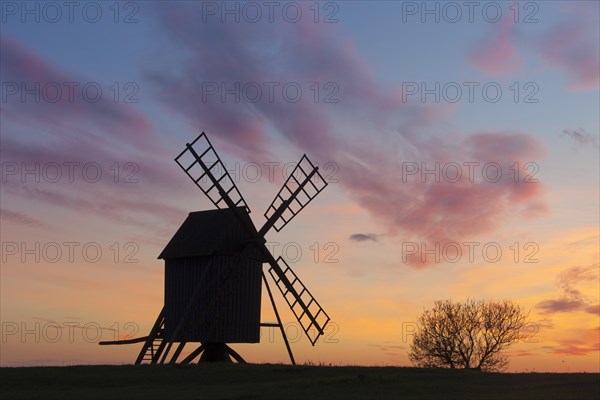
159,351
193,355
279,324
177,352
235,355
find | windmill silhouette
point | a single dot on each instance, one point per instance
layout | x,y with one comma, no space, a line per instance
213,267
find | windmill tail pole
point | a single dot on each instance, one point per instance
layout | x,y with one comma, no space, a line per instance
124,341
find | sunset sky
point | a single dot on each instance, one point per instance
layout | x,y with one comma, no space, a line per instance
461,147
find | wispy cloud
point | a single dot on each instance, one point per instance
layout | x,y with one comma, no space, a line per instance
575,347
581,137
500,55
594,309
21,219
79,132
109,204
364,237
570,45
389,349
572,299
560,305
397,131
99,121
521,353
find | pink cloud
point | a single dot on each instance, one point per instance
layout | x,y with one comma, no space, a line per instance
301,55
560,305
20,218
369,132
521,353
499,55
62,105
438,209
156,173
573,45
112,204
107,134
575,347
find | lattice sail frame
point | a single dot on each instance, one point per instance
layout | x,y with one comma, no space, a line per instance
310,317
315,183
202,147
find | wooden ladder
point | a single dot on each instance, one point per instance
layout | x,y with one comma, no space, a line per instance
155,343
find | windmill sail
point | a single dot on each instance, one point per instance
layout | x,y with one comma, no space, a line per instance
304,184
305,307
203,165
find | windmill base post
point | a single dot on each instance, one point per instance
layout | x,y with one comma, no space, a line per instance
215,352
219,352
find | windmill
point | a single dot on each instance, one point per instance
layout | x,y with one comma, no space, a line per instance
213,267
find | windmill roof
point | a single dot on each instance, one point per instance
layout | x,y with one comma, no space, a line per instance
205,233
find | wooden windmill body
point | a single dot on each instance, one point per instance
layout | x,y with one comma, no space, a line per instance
214,268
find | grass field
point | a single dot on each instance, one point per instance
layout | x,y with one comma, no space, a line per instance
237,381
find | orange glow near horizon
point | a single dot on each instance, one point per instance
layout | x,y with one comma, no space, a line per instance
373,310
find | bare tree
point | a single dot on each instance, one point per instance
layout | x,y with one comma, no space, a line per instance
470,334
